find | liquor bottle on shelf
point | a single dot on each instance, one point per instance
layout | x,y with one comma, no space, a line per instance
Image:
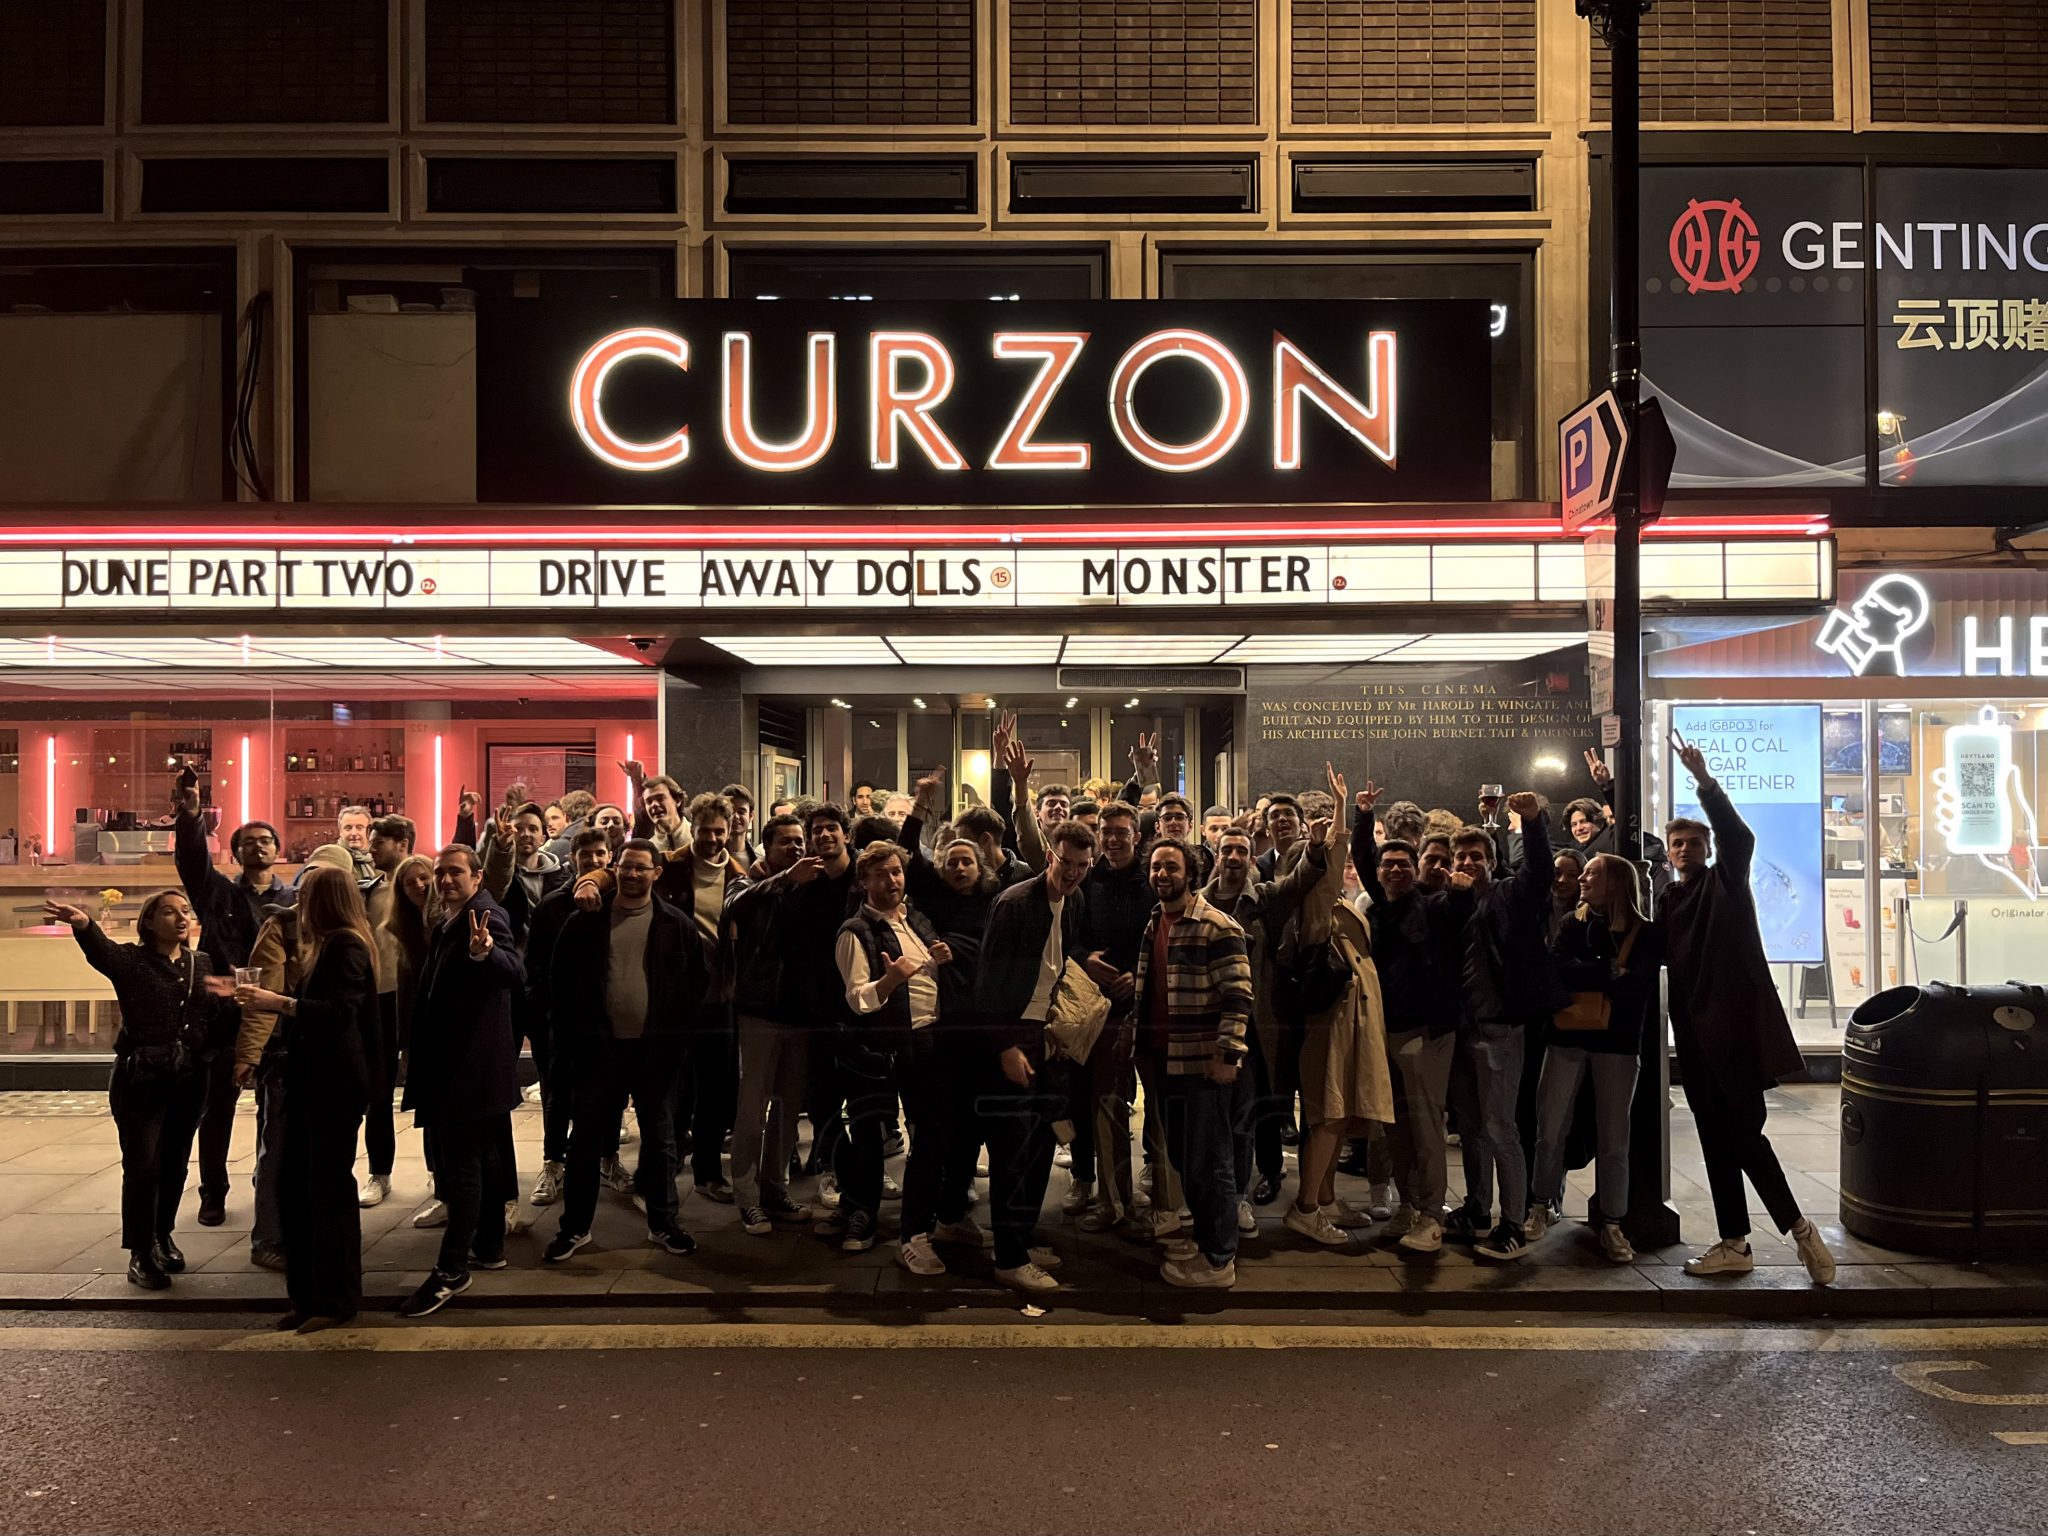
312,759
387,759
356,763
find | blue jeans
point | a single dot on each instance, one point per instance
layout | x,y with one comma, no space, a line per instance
1201,1121
1492,1142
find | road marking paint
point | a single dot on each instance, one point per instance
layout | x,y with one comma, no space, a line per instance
1916,1374
397,1338
2022,1436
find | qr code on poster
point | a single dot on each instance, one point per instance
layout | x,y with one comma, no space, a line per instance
1976,780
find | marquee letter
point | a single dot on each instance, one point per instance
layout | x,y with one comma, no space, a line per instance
586,399
1015,449
891,407
1233,406
821,407
1296,378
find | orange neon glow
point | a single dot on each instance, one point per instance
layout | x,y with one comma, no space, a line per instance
586,399
1017,449
1296,378
821,407
1233,407
891,408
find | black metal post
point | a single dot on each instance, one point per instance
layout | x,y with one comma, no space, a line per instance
1652,1221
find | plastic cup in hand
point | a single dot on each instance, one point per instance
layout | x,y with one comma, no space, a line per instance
248,976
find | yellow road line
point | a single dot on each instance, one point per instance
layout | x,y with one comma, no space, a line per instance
1919,1375
2022,1436
397,1338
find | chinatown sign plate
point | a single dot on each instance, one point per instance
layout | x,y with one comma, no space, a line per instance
772,403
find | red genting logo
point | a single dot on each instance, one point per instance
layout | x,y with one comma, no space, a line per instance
1714,246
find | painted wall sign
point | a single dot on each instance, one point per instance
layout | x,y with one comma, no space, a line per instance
760,403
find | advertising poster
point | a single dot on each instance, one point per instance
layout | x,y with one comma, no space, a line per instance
1767,757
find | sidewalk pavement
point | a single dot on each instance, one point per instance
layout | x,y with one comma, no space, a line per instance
60,1182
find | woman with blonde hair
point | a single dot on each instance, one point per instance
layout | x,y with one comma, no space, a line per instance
328,1020
1607,954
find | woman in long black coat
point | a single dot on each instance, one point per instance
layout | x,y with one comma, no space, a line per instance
328,1019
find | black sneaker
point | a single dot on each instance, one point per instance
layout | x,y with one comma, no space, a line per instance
860,1233
435,1292
168,1257
143,1270
1265,1192
1502,1245
500,1262
562,1244
672,1240
1459,1227
785,1211
213,1209
755,1222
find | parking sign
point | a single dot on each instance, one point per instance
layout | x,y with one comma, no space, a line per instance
1592,445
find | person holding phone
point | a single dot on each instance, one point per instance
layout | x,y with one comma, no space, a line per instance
1734,1041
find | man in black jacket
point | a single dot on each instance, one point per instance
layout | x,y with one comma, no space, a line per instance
1415,948
230,913
814,904
626,979
771,1049
464,1079
589,852
1117,898
1729,1024
1033,930
1509,990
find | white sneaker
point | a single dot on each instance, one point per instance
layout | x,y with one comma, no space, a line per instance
530,1092
966,1232
828,1191
1813,1252
1045,1258
1180,1249
1379,1204
1027,1277
1063,1157
1316,1227
1165,1223
615,1175
1097,1218
1342,1213
516,1219
1538,1222
1614,1244
1426,1236
1198,1274
1246,1221
1080,1192
433,1214
1403,1221
1730,1256
376,1190
917,1255
547,1189
891,1190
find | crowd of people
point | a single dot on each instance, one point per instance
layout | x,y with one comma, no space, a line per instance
996,989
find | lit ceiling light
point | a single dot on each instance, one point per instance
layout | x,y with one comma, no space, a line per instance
918,702
1548,763
1071,703
841,704
1131,704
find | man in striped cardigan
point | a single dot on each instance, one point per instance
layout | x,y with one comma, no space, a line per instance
1193,1004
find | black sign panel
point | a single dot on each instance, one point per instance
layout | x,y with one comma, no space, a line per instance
745,403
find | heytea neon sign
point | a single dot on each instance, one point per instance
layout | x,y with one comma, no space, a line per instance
911,374
1870,636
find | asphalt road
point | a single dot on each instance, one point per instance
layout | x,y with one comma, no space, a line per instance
500,1425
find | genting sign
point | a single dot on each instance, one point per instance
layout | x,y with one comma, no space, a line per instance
772,403
1714,246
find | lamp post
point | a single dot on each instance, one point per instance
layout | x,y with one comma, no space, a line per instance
1652,1221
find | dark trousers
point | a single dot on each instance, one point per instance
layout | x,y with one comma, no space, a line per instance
1732,1141
1268,1113
1018,1125
532,1024
1201,1121
155,1119
323,1227
380,1135
937,1083
868,1079
469,1176
216,1123
707,1096
608,1073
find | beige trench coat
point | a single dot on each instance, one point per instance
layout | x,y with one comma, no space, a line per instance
1344,1052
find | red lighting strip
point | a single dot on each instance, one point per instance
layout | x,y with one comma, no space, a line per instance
483,535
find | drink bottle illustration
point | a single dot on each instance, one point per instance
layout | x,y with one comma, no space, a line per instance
1979,761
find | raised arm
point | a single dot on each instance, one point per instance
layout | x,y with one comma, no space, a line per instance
1030,840
1365,853
1533,875
1734,842
188,842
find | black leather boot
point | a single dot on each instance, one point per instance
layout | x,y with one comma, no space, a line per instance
143,1270
167,1255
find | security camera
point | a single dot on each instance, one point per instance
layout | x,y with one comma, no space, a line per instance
643,646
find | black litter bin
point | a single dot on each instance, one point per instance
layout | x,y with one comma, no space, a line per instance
1945,1120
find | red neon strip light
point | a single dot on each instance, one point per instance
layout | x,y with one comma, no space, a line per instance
484,535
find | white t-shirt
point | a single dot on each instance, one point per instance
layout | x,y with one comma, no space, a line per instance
863,991
1052,963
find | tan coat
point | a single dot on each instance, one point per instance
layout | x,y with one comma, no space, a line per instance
1344,1052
